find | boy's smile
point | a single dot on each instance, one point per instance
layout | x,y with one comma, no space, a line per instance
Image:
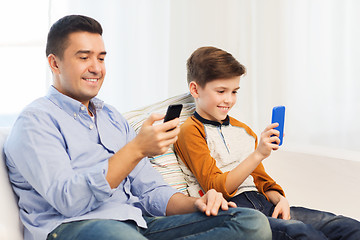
214,101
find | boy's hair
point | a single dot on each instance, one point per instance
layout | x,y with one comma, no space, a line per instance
57,39
207,64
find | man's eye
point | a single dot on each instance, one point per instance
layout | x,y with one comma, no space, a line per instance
83,58
221,91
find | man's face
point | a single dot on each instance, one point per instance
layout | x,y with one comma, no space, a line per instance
214,101
81,71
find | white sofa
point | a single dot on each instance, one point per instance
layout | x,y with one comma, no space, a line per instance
334,188
10,224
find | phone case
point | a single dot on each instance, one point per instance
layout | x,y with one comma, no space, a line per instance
278,115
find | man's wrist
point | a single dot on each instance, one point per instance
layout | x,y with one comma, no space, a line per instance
135,149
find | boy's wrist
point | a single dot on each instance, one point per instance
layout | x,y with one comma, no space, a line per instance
258,156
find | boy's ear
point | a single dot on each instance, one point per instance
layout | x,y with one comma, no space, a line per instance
193,87
52,59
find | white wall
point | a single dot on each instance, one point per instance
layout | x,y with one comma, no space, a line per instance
299,53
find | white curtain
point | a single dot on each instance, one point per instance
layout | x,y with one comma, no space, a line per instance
299,53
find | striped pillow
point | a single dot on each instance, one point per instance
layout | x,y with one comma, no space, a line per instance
166,164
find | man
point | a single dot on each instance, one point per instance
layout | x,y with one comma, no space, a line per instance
80,172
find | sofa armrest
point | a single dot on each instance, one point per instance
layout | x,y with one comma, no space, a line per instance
11,227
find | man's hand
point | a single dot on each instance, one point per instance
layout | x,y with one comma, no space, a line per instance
151,140
155,139
211,202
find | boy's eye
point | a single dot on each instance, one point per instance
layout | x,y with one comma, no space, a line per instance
221,91
235,92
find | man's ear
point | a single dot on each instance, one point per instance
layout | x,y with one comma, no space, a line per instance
193,87
52,60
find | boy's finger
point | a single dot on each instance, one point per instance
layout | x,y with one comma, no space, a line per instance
271,126
275,213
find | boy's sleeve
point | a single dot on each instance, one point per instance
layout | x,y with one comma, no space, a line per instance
264,182
193,150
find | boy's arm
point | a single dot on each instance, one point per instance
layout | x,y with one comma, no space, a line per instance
264,182
192,148
282,207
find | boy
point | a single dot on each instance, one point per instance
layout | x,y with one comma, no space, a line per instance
224,154
80,172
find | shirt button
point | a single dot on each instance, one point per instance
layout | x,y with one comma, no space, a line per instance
75,115
91,126
82,108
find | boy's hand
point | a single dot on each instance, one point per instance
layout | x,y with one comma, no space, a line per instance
267,139
155,139
282,209
211,202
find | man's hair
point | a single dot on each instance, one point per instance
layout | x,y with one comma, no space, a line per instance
57,39
207,64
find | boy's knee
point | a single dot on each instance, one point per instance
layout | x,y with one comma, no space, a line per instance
253,224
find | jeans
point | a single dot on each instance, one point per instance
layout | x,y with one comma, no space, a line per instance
304,223
236,223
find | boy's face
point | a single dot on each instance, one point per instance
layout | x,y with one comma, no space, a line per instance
81,71
214,101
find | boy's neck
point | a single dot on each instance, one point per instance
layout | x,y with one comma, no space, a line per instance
226,121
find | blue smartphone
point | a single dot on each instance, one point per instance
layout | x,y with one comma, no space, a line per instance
278,115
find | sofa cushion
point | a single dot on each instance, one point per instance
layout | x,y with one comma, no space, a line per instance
167,163
11,227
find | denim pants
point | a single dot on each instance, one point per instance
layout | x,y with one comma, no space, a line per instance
236,223
304,223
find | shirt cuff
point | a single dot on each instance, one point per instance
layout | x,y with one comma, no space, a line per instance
98,184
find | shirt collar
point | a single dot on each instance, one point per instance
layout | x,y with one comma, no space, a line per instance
217,124
70,105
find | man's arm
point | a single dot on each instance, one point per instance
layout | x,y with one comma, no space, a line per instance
151,140
210,204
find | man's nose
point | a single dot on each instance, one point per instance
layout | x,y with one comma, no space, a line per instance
95,66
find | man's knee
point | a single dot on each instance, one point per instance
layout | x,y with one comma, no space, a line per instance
252,223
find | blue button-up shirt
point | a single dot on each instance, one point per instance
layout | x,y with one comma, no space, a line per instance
57,158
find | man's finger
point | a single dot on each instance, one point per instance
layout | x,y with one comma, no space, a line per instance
153,118
217,202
